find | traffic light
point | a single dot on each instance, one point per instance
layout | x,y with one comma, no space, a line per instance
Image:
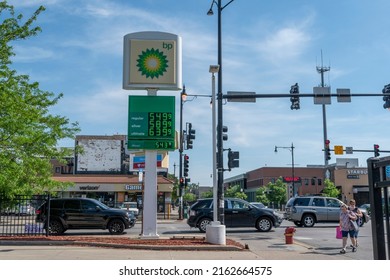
295,97
327,149
186,165
376,150
233,159
181,182
190,136
386,98
186,181
224,131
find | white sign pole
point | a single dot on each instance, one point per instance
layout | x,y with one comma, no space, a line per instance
149,216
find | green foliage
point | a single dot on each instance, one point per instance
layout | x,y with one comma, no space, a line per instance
208,194
261,195
28,132
272,192
235,191
330,189
189,197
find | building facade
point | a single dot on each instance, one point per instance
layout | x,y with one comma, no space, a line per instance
106,171
352,181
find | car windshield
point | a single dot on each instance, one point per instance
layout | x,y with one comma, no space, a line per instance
102,205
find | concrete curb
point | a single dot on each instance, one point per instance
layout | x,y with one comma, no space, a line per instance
120,246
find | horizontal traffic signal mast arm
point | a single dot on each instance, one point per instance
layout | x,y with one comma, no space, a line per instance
283,95
368,151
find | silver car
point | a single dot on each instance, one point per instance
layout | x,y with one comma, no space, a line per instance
308,210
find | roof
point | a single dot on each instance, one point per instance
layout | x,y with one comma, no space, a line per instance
107,179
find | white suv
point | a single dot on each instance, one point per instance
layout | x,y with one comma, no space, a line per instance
308,210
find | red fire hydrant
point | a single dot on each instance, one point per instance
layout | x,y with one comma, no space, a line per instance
289,234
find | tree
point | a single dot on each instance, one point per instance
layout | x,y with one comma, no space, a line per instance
235,191
272,193
208,194
28,132
261,195
330,189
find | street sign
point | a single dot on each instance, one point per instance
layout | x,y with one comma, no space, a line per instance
151,124
343,95
322,95
338,150
349,150
388,172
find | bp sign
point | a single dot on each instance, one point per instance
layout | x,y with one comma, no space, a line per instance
151,124
152,60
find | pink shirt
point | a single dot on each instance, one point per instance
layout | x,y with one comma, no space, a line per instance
345,222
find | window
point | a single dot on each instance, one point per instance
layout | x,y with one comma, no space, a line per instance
313,181
332,203
320,202
319,182
239,205
202,204
88,205
306,182
72,204
56,204
302,201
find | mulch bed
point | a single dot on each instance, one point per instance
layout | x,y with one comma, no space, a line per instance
173,241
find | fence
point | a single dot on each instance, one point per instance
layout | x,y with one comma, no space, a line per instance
17,215
379,183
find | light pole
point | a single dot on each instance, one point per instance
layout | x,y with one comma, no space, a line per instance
291,149
216,231
183,97
221,215
214,69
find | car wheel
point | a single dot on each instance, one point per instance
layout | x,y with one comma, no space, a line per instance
264,224
308,220
203,223
56,227
298,224
116,226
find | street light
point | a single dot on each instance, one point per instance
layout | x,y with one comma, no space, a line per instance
291,149
221,215
214,69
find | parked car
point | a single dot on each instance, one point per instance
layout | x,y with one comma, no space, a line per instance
309,210
238,213
130,206
366,207
83,213
25,210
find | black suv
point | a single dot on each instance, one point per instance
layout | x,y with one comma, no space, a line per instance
83,213
238,213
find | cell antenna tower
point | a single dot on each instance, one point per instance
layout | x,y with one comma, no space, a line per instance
321,70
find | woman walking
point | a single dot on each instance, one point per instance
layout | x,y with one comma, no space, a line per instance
347,228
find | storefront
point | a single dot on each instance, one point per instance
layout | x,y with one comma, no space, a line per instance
113,190
353,183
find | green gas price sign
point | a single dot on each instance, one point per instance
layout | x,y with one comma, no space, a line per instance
151,122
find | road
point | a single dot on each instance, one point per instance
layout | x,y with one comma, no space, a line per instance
321,238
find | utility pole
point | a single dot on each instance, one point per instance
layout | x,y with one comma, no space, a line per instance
322,70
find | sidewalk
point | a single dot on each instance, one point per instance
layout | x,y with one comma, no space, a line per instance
95,247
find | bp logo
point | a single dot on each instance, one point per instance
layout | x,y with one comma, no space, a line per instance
152,63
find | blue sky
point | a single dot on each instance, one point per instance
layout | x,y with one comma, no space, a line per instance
267,47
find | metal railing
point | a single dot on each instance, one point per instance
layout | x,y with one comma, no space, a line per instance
379,183
18,217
